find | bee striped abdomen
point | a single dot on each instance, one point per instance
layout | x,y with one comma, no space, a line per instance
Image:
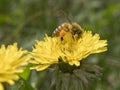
61,30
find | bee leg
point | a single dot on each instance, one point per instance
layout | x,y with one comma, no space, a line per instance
61,38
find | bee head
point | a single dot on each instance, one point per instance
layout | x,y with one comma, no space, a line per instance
76,29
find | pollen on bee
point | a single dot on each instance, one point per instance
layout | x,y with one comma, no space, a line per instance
62,33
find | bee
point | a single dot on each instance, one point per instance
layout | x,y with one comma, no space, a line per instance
71,27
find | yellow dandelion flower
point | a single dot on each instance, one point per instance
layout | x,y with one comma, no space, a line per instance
70,49
12,61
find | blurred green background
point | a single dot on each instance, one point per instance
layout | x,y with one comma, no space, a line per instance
24,21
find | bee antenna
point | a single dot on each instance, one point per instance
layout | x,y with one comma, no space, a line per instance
66,16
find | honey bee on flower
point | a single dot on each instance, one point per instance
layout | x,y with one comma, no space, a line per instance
67,50
71,50
72,27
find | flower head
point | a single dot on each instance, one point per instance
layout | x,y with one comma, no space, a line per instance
70,49
12,61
